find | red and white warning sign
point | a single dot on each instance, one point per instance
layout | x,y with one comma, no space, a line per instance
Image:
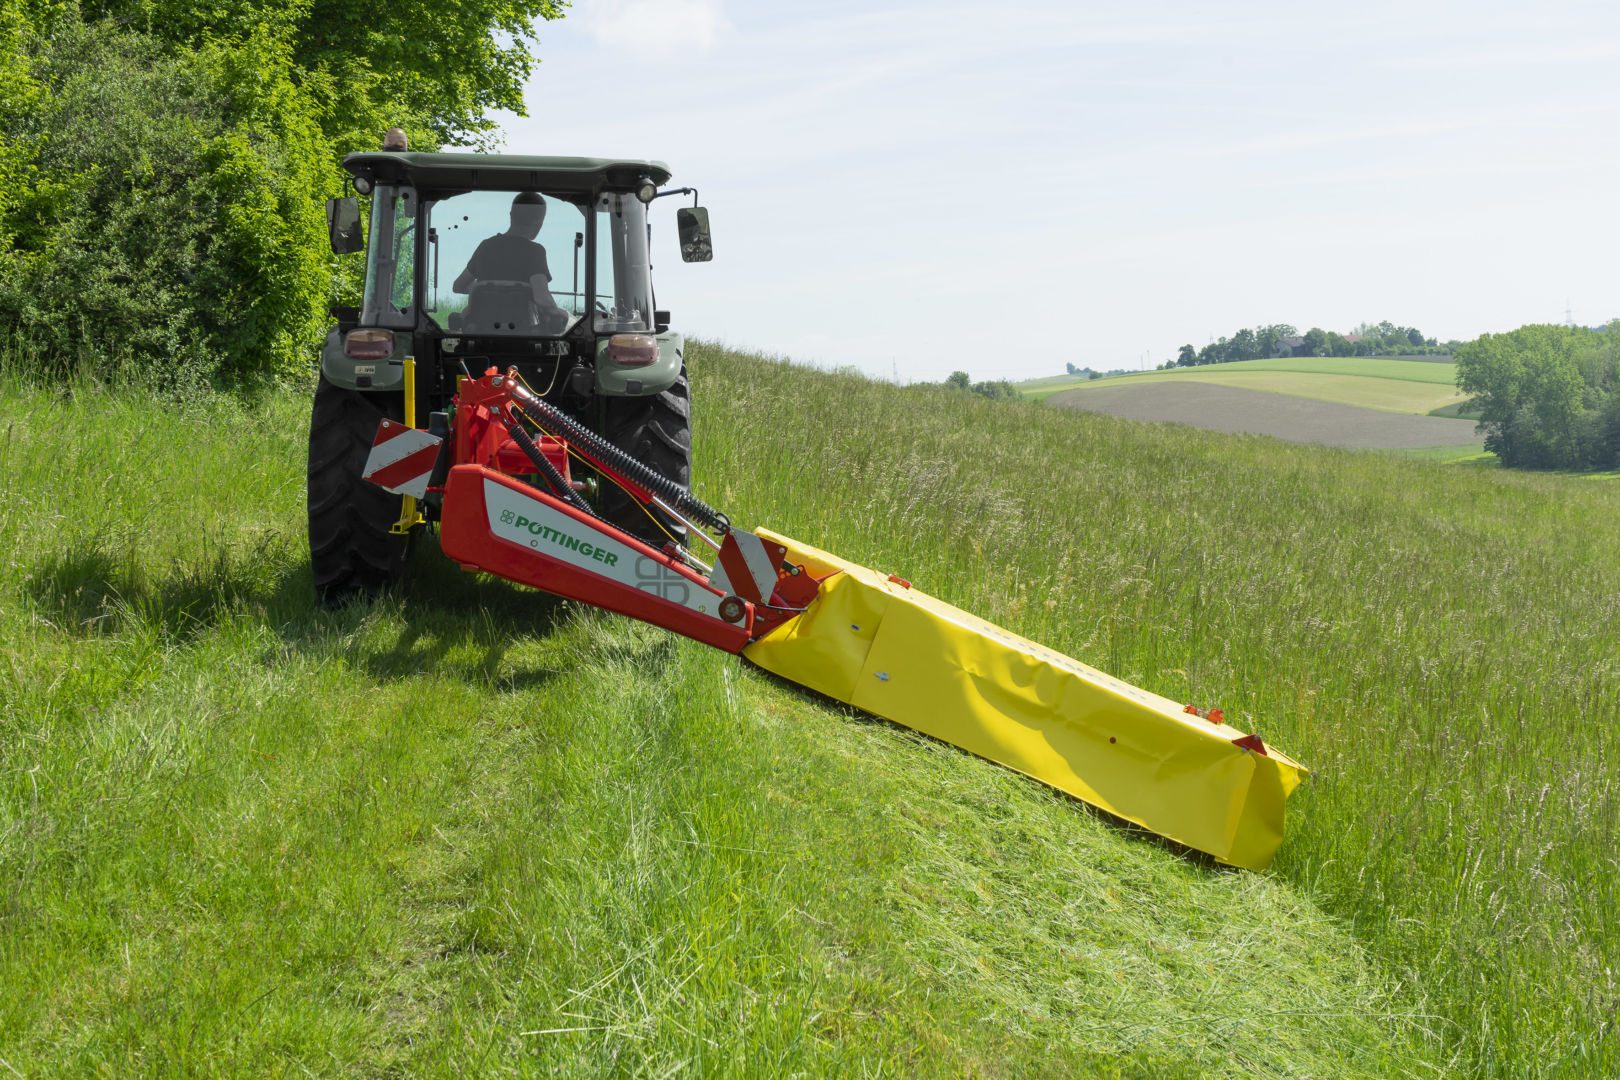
747,566
402,458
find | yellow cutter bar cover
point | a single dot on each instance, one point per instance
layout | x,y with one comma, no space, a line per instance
895,652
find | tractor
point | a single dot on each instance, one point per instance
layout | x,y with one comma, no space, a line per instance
508,334
536,264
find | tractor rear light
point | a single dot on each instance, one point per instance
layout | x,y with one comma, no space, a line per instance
368,344
633,350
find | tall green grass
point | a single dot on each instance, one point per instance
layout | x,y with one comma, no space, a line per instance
468,830
1441,646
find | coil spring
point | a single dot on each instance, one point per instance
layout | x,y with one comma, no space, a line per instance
567,428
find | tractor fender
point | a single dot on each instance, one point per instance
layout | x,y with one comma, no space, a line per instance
365,375
616,380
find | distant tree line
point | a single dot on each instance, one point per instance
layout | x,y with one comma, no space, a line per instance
1281,339
996,390
1087,372
1548,397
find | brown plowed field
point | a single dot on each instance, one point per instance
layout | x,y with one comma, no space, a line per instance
1255,412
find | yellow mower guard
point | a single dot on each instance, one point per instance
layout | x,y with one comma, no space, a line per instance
898,653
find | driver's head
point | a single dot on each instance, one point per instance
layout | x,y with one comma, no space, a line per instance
528,213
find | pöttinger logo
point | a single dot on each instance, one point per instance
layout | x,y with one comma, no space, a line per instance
651,576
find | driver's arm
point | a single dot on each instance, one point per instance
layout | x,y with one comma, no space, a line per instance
468,277
542,293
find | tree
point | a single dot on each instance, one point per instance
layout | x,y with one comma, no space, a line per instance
1316,342
1245,346
959,380
163,163
1545,395
1071,369
1270,338
176,224
997,390
1188,356
437,70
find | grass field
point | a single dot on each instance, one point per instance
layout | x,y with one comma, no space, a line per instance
466,830
1234,410
1389,385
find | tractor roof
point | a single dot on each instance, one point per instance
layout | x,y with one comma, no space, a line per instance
504,172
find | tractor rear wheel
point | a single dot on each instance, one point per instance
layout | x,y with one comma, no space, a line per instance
351,551
656,431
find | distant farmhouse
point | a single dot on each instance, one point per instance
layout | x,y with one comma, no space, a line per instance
1294,345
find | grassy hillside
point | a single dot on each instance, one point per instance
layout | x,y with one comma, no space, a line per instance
1404,386
470,830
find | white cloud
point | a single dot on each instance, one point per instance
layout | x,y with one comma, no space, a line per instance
671,29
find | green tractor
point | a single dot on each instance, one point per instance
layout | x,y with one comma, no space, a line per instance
478,260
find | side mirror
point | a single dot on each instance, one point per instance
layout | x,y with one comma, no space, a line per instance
692,222
343,226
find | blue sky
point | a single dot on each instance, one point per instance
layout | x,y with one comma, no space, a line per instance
917,188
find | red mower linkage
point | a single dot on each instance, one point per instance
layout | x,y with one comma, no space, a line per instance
508,505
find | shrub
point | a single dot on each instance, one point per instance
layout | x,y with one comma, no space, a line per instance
173,229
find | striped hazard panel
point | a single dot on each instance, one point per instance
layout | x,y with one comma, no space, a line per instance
748,566
402,459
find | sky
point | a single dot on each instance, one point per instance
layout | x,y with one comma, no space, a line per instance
920,188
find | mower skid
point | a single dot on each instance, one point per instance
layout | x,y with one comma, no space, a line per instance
882,646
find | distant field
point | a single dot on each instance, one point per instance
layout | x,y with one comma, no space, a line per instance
1303,419
1370,403
1389,385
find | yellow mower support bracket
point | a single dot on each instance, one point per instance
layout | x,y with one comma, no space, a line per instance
409,516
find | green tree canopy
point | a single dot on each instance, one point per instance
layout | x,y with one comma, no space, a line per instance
436,69
163,165
1548,396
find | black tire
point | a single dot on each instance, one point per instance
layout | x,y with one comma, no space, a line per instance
351,552
656,431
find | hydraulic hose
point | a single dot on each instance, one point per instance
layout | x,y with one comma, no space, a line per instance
594,446
545,468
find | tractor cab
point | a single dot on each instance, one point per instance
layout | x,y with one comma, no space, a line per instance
539,261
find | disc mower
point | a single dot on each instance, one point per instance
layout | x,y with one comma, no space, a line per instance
529,470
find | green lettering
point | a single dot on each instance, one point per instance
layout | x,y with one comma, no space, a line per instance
610,558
